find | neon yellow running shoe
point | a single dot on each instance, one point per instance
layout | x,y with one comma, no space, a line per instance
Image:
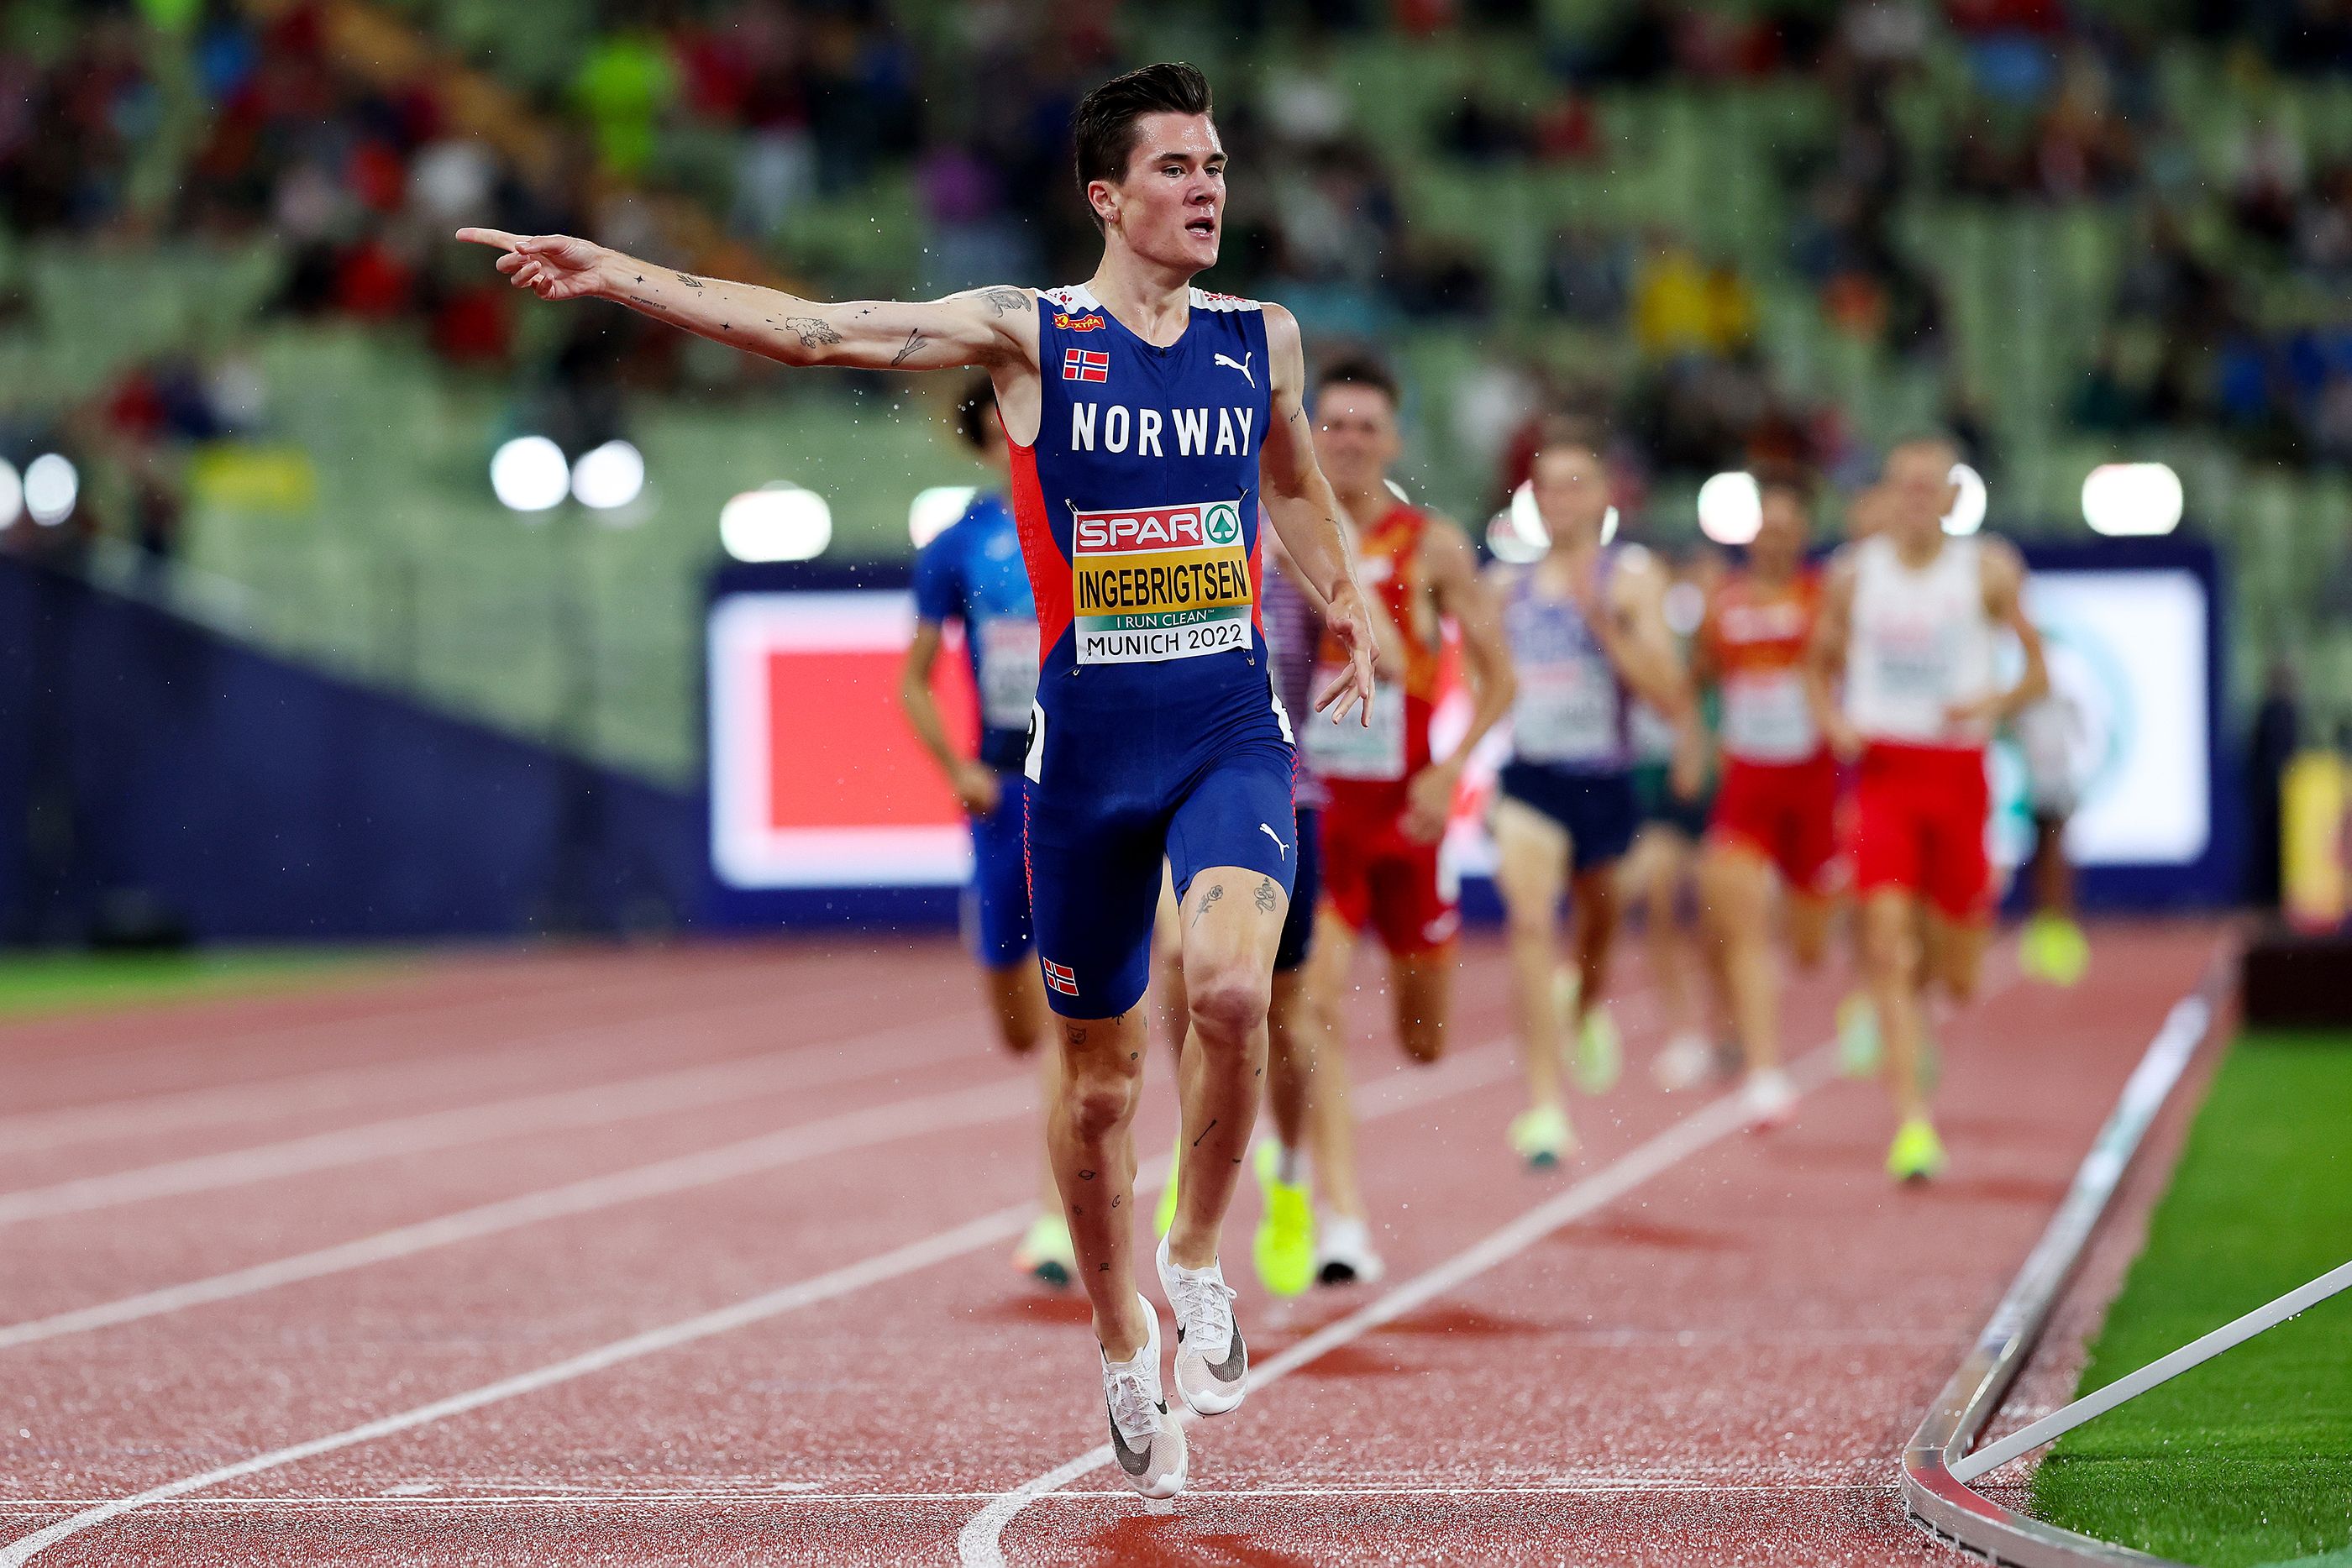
1046,1252
2054,948
1542,1137
1165,1215
1917,1154
1599,1055
1284,1248
1857,1036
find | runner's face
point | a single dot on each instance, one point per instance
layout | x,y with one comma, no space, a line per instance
1355,436
1919,490
1779,542
1171,208
1572,492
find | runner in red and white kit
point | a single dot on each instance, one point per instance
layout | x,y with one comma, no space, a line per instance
1776,803
1389,796
1909,621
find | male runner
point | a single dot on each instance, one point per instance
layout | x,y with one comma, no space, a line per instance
1391,798
1776,805
1909,619
973,574
1142,414
1587,630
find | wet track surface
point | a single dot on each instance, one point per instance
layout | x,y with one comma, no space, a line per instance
552,1169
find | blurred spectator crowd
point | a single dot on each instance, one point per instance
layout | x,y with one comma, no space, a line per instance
245,121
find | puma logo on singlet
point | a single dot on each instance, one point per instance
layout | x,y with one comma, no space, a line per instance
1270,833
1243,365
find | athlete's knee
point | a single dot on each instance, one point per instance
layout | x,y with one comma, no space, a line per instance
1229,1001
1100,1097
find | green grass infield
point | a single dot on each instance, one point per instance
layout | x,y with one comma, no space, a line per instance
2247,1459
36,982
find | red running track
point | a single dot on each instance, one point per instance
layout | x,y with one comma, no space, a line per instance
742,1297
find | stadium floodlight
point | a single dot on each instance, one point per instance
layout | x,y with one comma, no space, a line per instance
609,476
776,522
1526,519
1968,513
1730,508
50,488
529,474
1504,538
934,511
11,494
2123,500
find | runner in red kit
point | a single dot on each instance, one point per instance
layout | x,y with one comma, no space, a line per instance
1776,805
1385,868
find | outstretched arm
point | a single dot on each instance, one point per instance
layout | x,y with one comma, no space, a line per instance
986,327
1306,515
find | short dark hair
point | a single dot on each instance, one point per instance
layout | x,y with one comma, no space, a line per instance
1361,371
1103,134
975,407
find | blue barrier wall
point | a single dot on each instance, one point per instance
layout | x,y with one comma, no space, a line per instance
154,773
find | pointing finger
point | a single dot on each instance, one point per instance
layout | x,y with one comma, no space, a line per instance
496,237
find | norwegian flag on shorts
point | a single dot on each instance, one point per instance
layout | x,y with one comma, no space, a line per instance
1061,977
1086,365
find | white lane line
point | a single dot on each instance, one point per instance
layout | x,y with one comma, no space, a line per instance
331,1088
704,1168
431,1500
590,1105
980,1542
1456,1076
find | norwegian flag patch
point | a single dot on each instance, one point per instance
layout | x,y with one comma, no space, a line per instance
1061,977
1086,365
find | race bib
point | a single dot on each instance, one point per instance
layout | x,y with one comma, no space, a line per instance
1913,667
1008,670
1348,749
1565,712
1155,583
1767,717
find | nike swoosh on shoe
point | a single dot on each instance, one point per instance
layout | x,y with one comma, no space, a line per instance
1134,1461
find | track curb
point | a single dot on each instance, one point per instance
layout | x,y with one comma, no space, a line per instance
1939,1502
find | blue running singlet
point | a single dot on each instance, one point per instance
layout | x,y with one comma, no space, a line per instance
1155,731
1572,755
972,573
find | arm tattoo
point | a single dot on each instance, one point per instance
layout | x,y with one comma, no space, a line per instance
1265,895
1004,301
813,332
689,280
914,342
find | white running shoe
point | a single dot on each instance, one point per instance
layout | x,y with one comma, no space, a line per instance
1150,1446
1684,1063
1343,1253
1212,1362
1768,1099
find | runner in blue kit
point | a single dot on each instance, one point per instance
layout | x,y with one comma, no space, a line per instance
973,574
1144,415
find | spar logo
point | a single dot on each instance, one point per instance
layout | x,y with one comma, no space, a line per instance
1205,525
